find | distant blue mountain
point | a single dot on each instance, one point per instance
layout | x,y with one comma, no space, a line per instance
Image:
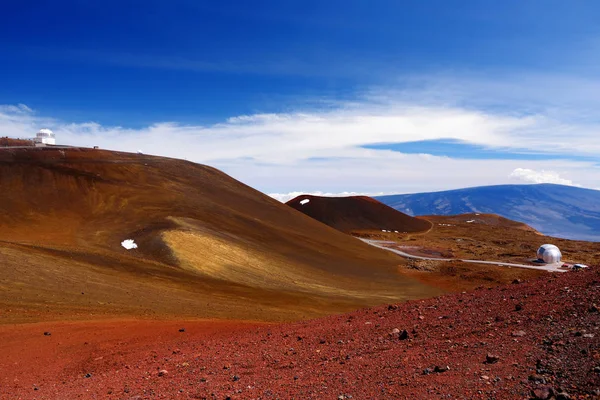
555,210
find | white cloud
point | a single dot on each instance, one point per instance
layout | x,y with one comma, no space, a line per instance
532,176
18,109
285,197
321,150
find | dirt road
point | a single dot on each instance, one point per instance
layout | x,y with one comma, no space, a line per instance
557,267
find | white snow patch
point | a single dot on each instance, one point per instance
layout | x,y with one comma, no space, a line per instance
303,202
129,244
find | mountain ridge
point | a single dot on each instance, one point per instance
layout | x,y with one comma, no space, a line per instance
555,210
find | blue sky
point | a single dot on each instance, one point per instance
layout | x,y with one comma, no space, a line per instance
364,79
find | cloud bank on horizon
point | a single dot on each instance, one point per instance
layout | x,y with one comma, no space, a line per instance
328,151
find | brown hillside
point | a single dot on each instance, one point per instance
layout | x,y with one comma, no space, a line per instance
354,213
209,246
10,142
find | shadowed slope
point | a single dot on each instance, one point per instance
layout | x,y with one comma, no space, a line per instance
348,214
208,245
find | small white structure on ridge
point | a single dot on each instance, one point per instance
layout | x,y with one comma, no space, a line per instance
43,137
303,202
549,253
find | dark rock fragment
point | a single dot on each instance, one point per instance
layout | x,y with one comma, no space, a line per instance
542,393
403,335
537,378
491,359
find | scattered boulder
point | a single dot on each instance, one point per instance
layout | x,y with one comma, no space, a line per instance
181,329
563,396
47,334
403,335
537,378
88,375
491,359
163,372
542,393
440,370
518,333
236,378
518,307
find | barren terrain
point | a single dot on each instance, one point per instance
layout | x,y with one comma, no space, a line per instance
526,340
202,307
208,246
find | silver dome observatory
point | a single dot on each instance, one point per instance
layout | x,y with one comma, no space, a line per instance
549,253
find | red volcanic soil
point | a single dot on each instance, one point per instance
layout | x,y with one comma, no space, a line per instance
349,214
499,343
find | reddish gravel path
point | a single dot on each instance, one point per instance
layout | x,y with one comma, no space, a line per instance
543,331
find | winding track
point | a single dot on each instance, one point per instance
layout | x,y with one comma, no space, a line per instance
545,267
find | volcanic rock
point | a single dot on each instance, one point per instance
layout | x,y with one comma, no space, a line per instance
491,359
542,393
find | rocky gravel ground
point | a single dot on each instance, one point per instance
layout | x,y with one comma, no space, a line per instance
537,339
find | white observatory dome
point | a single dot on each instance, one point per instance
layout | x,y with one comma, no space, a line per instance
44,136
549,253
